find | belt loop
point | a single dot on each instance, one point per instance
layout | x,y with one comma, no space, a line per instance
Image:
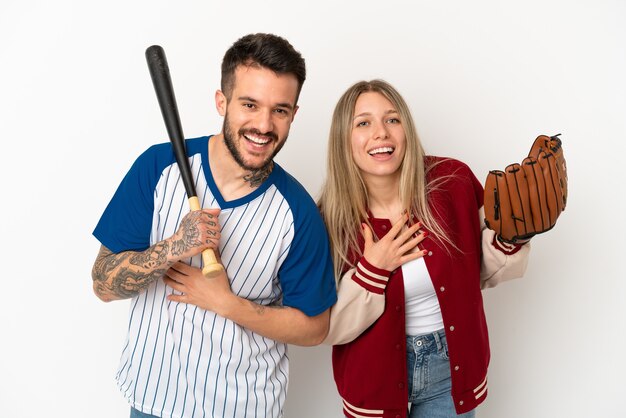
438,340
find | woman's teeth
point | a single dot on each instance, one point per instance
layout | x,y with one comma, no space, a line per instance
381,150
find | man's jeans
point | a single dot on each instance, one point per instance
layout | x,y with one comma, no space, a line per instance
135,413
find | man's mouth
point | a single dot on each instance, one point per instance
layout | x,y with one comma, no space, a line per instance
257,138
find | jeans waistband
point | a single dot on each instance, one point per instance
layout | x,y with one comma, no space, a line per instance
432,337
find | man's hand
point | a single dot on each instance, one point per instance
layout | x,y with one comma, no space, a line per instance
212,294
280,323
197,231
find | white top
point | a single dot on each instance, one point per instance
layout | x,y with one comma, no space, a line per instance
423,314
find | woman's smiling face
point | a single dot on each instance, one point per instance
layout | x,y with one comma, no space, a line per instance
378,140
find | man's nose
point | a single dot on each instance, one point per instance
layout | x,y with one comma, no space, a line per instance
264,121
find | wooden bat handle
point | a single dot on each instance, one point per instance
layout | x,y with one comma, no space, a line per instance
211,266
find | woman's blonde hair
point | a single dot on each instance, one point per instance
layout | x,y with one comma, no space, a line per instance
344,198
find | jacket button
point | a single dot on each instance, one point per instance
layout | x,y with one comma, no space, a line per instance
456,368
451,327
460,402
398,308
442,288
397,346
430,253
384,227
401,385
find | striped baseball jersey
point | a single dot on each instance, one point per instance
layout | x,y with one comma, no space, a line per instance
179,360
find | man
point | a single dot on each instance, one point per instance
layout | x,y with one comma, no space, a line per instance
217,347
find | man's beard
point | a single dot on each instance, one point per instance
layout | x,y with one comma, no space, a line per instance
229,139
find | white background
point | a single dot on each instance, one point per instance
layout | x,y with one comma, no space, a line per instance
483,78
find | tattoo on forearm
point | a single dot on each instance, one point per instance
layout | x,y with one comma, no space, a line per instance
126,274
128,283
260,309
256,177
151,259
106,263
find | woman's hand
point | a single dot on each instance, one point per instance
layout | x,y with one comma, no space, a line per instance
397,247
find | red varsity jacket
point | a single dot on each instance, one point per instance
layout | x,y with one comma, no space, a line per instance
370,372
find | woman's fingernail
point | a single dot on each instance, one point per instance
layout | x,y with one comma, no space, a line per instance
425,234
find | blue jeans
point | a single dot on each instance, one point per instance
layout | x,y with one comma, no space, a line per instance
429,377
135,413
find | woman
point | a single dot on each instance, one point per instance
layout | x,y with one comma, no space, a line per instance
411,256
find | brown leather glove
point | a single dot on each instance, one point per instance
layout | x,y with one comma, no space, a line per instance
525,200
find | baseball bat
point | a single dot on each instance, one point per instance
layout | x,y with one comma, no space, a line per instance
160,73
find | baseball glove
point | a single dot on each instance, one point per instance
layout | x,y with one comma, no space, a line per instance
525,200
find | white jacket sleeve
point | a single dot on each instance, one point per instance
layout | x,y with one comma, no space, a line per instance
360,302
500,261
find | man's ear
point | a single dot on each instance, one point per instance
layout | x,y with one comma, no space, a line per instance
295,110
220,102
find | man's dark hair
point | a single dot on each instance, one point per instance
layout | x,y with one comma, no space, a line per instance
264,50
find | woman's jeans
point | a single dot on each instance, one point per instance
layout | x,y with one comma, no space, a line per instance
429,377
